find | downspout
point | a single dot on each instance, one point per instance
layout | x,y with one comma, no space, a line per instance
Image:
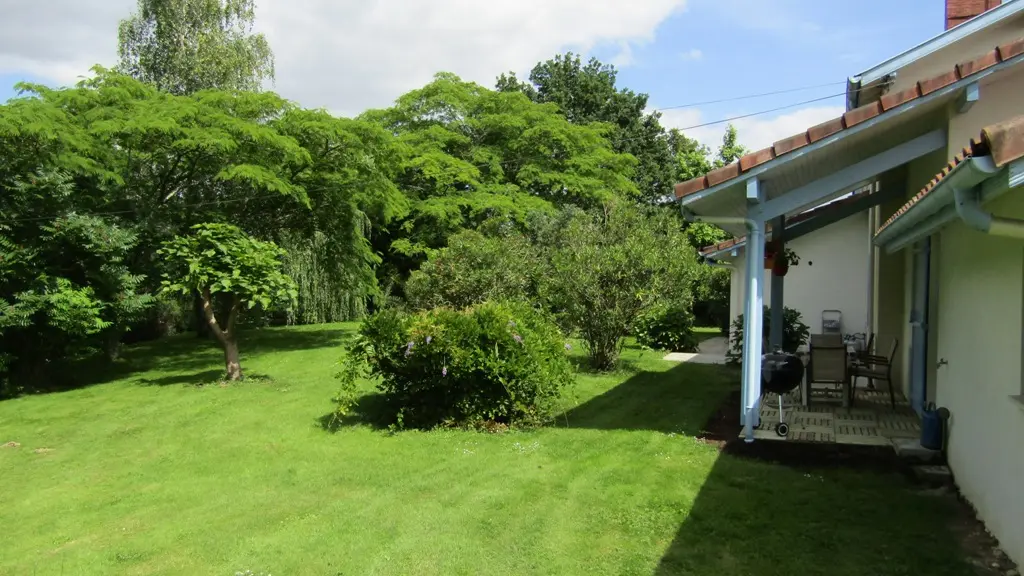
752,321
968,207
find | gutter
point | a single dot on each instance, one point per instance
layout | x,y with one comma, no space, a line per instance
968,207
959,196
907,230
942,40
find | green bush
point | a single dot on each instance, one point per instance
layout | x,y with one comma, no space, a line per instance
794,332
608,268
711,297
666,328
493,363
474,268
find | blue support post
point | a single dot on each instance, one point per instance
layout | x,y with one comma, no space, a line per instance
752,317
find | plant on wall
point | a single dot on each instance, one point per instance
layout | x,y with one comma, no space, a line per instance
779,263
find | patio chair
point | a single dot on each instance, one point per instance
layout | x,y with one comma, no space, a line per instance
875,367
828,363
869,349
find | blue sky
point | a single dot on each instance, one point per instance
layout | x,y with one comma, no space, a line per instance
347,55
725,48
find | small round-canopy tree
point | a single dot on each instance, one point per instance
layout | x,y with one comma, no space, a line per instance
220,259
608,268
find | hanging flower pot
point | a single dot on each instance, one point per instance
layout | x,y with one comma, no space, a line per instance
780,267
782,262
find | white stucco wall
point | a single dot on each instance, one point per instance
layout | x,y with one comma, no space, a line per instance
978,324
980,321
832,275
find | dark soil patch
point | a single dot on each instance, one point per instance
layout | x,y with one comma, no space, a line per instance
980,548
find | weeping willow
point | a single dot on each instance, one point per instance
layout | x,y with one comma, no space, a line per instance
327,293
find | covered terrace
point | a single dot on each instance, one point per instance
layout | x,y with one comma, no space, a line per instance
878,154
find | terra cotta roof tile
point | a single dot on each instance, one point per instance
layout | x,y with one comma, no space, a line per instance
853,117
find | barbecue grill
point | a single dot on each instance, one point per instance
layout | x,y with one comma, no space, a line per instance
781,373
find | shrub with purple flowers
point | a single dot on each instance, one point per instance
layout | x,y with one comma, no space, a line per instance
492,363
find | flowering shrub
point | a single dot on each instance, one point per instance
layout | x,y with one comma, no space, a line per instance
495,362
666,328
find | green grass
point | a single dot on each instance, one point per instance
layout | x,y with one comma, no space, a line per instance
148,473
706,333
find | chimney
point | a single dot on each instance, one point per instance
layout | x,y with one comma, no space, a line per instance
960,11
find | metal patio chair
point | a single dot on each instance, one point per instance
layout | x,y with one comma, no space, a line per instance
875,367
828,363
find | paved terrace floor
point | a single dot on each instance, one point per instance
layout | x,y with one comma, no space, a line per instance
870,422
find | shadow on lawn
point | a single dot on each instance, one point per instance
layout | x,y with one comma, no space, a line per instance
794,508
184,353
676,400
756,517
370,409
204,378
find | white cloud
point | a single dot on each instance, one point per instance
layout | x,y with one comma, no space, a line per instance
59,39
347,55
692,54
624,57
755,132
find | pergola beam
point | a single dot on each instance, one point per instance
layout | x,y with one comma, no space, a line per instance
848,209
851,176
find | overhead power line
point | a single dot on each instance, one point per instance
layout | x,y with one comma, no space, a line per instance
747,97
758,113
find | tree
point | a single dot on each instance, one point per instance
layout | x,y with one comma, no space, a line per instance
65,287
67,281
471,154
301,178
219,260
731,150
710,285
474,268
350,184
692,159
587,93
184,46
610,267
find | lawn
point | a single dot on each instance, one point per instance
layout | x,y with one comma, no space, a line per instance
145,472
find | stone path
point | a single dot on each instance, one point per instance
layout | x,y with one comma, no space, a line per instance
711,351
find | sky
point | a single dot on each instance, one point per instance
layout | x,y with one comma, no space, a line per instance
350,55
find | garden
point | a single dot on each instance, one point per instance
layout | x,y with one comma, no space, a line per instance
160,467
240,336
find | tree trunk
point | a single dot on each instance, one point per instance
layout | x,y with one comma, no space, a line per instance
200,320
112,344
234,368
226,336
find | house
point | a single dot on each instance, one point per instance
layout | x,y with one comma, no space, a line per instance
834,270
928,164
